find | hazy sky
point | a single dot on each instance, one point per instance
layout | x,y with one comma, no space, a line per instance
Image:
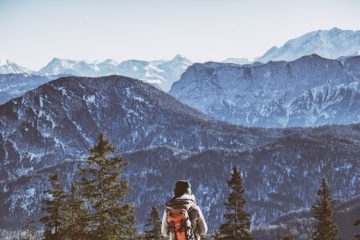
32,32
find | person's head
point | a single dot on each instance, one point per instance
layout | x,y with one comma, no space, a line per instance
182,187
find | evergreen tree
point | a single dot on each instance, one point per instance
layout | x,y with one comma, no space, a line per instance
153,226
357,223
216,236
237,224
31,231
75,221
108,215
323,211
53,209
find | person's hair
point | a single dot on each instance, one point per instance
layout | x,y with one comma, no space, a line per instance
182,187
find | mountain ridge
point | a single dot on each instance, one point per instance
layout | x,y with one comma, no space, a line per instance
51,128
267,95
333,43
162,73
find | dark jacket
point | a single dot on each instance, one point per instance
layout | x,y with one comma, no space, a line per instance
188,202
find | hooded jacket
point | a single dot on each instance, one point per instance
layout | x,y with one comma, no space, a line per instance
188,202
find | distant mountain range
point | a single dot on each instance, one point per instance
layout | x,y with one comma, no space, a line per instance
333,43
13,85
9,67
51,128
238,61
310,91
161,73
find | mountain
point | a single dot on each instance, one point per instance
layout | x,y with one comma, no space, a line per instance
13,85
159,72
6,67
300,223
332,44
50,129
310,91
240,61
16,80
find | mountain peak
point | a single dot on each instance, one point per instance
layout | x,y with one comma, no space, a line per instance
179,58
4,61
331,44
335,29
7,66
109,61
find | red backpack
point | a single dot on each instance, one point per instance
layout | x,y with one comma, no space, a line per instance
180,224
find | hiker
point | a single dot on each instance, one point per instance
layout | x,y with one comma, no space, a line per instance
183,219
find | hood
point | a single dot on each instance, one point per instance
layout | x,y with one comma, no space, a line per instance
186,201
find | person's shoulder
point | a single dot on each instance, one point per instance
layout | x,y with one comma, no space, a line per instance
194,211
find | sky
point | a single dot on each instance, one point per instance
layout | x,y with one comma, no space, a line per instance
32,32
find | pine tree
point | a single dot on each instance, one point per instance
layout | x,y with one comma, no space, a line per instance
357,223
53,209
108,215
237,226
153,226
75,221
323,211
31,231
216,236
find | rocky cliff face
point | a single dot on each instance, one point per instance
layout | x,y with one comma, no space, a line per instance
50,129
310,91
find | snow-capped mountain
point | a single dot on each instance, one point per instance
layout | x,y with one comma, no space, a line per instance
50,129
16,80
7,67
159,72
240,61
310,91
14,85
332,44
326,105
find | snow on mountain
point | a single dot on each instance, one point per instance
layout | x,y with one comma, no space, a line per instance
8,67
159,72
50,129
332,44
14,85
310,91
238,60
326,105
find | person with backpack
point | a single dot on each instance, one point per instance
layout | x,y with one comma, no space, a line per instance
183,219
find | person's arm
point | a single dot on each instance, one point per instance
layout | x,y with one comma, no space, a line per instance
164,226
201,224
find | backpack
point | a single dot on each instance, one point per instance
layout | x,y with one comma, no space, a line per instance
180,224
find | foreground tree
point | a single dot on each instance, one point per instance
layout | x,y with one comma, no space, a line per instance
53,207
357,223
31,230
74,211
237,226
216,236
108,215
323,211
153,226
